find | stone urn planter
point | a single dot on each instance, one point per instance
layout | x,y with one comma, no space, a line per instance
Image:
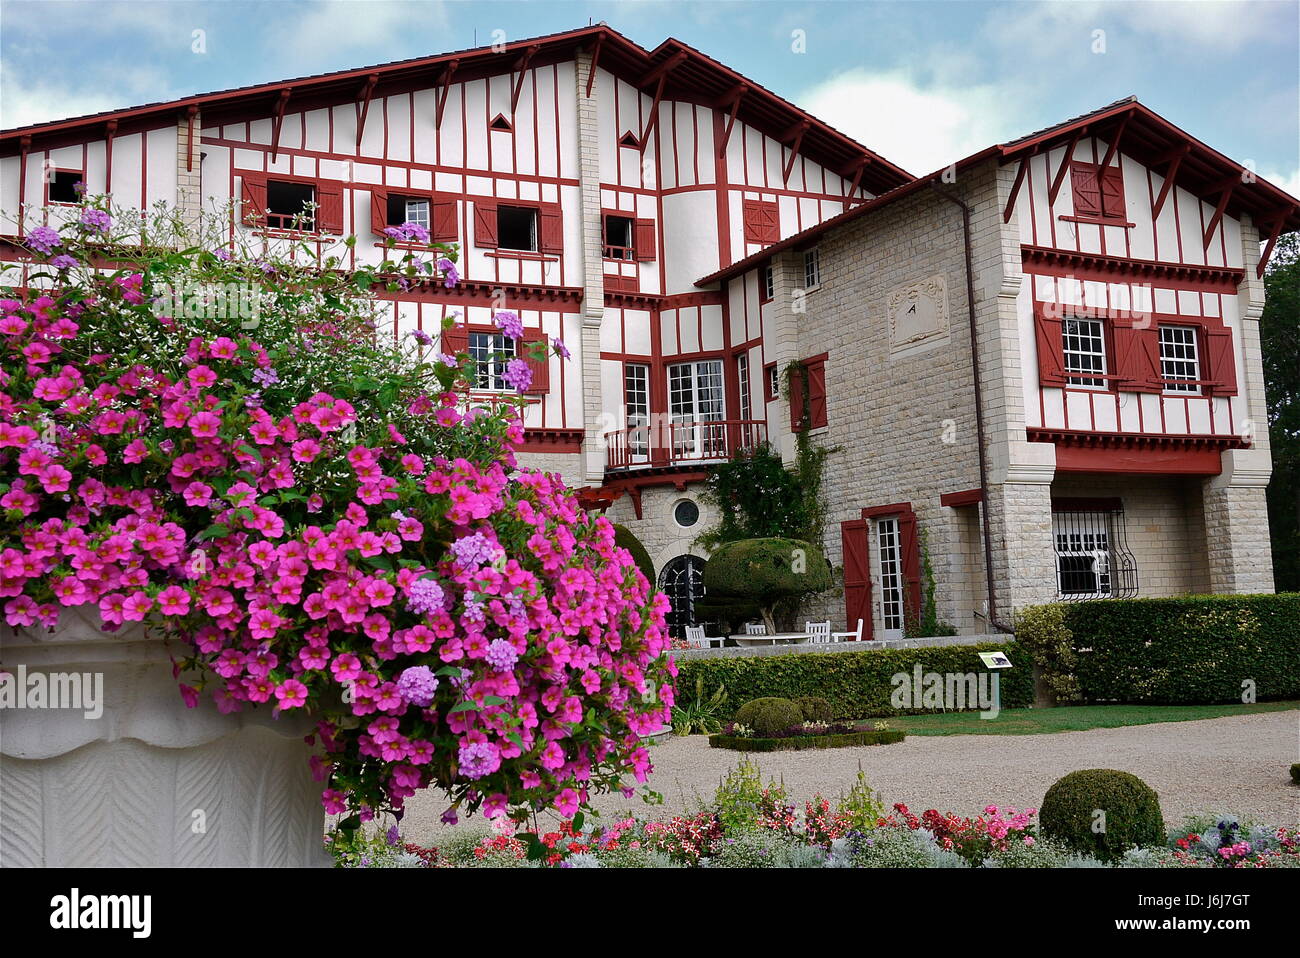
146,781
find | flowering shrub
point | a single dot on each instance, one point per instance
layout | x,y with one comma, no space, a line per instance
974,839
317,517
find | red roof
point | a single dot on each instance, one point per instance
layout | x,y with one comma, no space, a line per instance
693,77
1147,137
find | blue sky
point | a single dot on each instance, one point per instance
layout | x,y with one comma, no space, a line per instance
923,82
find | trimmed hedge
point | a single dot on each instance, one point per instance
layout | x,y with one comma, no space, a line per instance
627,539
857,684
799,743
1190,650
768,715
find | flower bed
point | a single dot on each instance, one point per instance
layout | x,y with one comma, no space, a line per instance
805,736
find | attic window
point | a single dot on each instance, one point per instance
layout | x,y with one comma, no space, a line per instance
287,205
517,228
500,123
63,186
629,139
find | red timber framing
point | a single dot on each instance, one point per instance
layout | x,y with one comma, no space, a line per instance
967,497
363,105
1046,261
909,549
1274,231
1137,453
603,496
855,540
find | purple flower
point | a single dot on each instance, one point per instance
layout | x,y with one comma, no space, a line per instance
476,550
501,655
477,759
510,324
265,377
448,360
518,374
417,685
450,277
43,239
63,261
449,817
96,221
393,837
408,233
561,350
222,254
424,596
421,337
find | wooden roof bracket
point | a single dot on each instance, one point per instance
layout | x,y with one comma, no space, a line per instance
444,82
595,61
730,101
277,122
1114,142
1175,160
1227,186
521,67
363,106
1065,165
1276,231
798,130
1015,188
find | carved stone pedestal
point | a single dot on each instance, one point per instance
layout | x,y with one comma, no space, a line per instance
148,781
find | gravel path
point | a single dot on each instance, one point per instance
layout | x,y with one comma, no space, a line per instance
1238,764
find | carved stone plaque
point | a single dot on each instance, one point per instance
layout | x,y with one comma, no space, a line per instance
918,315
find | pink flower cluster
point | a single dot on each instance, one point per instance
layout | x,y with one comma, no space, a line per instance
449,621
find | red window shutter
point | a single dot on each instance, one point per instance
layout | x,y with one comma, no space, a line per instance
762,222
443,220
796,399
329,210
1087,192
253,196
1137,357
485,224
378,210
1221,360
816,373
455,340
1112,193
645,240
551,229
541,368
857,576
911,548
1051,359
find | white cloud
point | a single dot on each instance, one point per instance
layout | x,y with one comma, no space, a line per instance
1284,181
922,129
29,98
372,30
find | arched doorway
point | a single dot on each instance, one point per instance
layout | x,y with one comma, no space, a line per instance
682,580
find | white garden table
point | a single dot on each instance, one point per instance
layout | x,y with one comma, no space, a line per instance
777,638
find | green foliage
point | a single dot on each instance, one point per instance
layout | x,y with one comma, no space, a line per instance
701,713
1071,807
1189,650
1042,630
857,684
902,848
644,857
1043,853
862,806
800,743
815,708
768,715
927,623
741,797
756,498
727,612
1279,335
773,572
764,848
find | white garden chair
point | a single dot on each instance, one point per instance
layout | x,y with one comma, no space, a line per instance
818,631
848,636
755,628
695,637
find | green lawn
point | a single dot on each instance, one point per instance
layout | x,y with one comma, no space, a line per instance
1075,718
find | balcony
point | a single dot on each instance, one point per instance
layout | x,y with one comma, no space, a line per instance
681,443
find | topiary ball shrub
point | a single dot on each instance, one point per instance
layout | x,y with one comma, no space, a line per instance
1295,774
769,715
815,708
1102,812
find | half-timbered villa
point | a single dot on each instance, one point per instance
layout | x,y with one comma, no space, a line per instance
1040,367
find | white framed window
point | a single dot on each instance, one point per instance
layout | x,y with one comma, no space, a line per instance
742,379
767,282
1180,360
773,381
812,268
695,396
491,352
636,398
889,552
1084,352
417,211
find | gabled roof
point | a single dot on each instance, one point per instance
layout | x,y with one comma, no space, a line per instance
687,75
1143,134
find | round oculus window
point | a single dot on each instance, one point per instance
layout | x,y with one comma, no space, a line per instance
686,513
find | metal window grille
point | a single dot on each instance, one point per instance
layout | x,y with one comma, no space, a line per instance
891,574
491,352
1093,560
1179,359
1084,351
682,580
